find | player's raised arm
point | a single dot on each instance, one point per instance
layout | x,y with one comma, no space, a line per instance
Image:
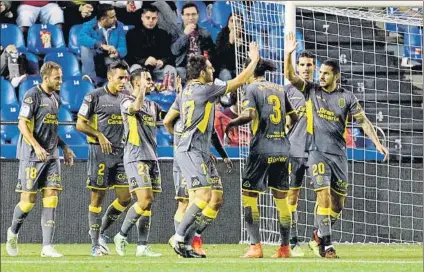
242,78
143,84
290,45
369,130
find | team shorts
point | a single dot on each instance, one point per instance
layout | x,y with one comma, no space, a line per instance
180,184
328,170
143,175
264,171
36,175
105,171
297,169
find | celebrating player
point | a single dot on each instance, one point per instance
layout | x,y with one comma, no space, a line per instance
39,164
99,117
327,110
265,104
197,116
140,160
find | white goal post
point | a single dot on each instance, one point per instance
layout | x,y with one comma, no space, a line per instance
385,202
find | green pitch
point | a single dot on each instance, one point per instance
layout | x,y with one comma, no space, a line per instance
220,258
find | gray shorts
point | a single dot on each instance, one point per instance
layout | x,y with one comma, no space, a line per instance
105,171
328,170
297,169
143,175
35,175
180,184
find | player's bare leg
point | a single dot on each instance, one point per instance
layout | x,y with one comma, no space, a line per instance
178,216
284,215
94,220
21,211
322,216
252,218
293,198
337,205
143,204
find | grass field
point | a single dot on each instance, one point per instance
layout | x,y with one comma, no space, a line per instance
220,258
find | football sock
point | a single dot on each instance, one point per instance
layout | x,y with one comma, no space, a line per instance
143,228
177,219
111,215
48,216
284,219
293,228
133,214
94,221
323,220
20,212
334,217
251,217
188,219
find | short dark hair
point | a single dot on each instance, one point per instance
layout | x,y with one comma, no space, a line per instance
333,64
189,5
262,66
150,8
48,67
102,10
120,64
195,64
306,54
136,74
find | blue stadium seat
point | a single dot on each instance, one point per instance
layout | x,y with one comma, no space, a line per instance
33,65
413,41
73,44
8,95
271,13
163,139
9,133
68,62
64,115
166,101
220,12
73,91
11,34
70,135
35,44
27,84
212,29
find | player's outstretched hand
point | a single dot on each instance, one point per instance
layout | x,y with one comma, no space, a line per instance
229,165
41,153
69,156
213,158
383,150
290,43
253,51
105,145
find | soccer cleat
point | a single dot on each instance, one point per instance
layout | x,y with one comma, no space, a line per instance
193,254
254,251
197,245
314,244
297,251
171,241
180,249
330,253
96,251
146,251
103,244
282,252
50,251
120,244
12,243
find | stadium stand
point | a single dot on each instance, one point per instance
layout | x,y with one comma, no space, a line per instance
44,39
73,91
68,62
11,34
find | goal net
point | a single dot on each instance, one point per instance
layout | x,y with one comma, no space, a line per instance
380,53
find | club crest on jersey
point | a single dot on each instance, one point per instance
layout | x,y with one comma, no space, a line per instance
195,181
342,103
88,98
246,184
28,100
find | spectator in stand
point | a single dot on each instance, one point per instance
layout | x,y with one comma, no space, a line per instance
194,39
168,17
102,42
222,118
30,11
6,15
76,12
13,65
128,12
226,42
150,47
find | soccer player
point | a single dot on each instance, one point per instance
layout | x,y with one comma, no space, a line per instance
99,117
265,104
39,164
181,190
327,110
197,116
140,161
297,136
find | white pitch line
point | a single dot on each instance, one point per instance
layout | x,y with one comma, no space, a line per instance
211,260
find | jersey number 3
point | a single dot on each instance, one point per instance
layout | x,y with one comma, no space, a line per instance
275,117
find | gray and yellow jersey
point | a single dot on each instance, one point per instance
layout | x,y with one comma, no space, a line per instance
178,129
297,134
327,116
102,111
40,110
140,130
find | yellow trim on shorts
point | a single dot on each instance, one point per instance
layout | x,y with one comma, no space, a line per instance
140,188
97,188
295,188
181,198
118,186
319,189
253,191
22,191
52,188
217,190
157,190
279,190
197,188
338,192
359,113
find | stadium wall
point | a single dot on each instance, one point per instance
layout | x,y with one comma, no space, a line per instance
386,202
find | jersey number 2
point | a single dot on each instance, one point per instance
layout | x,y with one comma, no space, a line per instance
275,102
